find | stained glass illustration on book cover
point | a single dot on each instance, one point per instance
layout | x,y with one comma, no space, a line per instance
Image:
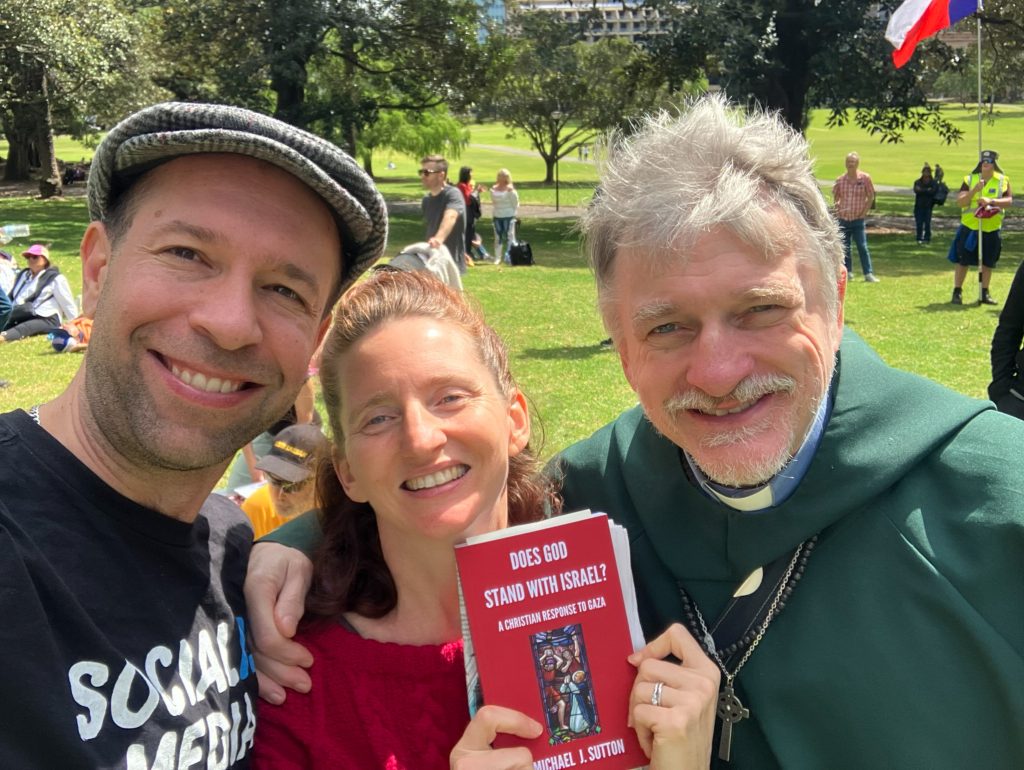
564,683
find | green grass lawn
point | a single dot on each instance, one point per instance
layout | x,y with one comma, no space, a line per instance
546,314
900,164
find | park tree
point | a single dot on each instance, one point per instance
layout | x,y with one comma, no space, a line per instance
414,132
62,60
213,51
560,91
793,55
325,65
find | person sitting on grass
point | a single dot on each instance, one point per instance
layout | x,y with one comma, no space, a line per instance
41,297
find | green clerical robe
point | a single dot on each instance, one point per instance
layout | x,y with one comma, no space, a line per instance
902,646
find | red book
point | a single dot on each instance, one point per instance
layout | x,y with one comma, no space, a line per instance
549,617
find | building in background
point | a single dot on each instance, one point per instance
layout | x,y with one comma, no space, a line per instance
614,19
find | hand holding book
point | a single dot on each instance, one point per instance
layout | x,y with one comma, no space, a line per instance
474,752
678,732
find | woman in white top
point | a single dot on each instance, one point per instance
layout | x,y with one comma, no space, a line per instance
506,204
41,297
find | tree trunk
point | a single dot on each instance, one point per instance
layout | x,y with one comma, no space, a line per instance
20,133
291,97
17,168
50,182
549,169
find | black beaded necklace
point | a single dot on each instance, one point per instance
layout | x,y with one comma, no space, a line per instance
757,610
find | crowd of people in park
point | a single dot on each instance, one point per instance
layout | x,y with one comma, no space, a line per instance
807,525
451,212
983,197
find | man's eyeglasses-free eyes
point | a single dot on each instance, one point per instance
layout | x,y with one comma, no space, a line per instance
429,171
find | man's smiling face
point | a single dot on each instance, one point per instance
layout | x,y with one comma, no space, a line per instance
730,354
207,309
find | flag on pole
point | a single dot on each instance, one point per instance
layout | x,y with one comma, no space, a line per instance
916,20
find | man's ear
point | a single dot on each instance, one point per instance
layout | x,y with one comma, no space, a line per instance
95,252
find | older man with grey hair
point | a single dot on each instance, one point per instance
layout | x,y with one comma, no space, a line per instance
844,539
220,240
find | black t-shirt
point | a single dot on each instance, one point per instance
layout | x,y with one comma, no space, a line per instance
122,631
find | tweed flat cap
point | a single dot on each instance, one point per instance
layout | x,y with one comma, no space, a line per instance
165,131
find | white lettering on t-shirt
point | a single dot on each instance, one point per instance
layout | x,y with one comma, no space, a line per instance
98,674
209,664
163,689
174,697
120,712
215,737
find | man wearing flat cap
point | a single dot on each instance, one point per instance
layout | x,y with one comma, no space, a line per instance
984,195
220,240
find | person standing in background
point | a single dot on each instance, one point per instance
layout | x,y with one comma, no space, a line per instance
854,194
983,196
444,210
506,204
471,197
924,200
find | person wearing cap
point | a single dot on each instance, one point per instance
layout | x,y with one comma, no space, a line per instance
41,298
983,196
220,240
287,468
444,210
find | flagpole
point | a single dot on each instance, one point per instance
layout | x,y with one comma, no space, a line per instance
981,248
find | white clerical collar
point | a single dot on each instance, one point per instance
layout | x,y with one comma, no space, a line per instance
776,490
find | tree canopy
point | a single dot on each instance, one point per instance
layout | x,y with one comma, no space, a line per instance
63,60
561,91
793,55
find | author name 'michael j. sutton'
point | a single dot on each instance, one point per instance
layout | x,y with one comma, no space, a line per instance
581,756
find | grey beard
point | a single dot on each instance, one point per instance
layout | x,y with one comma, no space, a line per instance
741,473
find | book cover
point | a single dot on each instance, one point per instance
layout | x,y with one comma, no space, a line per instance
547,631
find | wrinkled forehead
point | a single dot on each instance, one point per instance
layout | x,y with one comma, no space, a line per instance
768,240
766,234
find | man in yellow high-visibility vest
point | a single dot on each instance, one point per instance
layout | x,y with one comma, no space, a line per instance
983,196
